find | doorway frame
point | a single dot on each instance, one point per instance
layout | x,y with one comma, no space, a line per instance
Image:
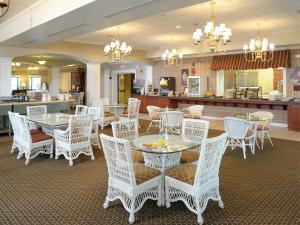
114,90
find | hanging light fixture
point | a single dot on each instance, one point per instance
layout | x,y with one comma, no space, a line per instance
42,61
258,49
216,38
172,57
119,50
4,6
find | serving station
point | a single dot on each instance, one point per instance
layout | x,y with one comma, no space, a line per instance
286,113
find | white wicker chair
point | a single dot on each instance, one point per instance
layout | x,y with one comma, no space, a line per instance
76,100
263,127
132,109
128,130
75,140
100,102
193,130
195,112
105,119
241,133
12,120
196,184
95,113
35,110
38,110
81,97
125,129
171,121
31,145
154,116
132,183
81,110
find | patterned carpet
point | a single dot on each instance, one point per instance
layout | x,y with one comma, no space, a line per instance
264,189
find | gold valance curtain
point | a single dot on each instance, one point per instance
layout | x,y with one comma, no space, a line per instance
238,62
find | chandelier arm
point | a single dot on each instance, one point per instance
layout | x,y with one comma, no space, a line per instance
247,59
271,58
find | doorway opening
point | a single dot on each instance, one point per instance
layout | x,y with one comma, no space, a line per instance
125,87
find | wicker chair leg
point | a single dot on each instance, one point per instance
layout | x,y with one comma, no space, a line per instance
221,203
132,209
19,156
268,135
200,219
244,149
106,203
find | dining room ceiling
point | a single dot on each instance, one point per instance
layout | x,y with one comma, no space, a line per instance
53,60
279,21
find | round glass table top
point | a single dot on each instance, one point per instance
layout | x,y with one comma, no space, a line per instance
161,143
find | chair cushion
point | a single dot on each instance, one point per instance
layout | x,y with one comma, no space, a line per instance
249,133
191,116
108,114
137,156
189,156
184,173
144,173
35,131
156,117
262,127
40,137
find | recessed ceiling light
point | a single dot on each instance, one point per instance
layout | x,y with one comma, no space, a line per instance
42,62
177,26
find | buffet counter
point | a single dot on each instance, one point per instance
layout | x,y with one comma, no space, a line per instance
20,107
285,112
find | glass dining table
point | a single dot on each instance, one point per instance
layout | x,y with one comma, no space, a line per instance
51,120
162,151
116,109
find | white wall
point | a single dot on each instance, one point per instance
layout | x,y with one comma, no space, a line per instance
54,83
5,76
93,82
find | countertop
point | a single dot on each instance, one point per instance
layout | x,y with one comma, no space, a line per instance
35,102
232,100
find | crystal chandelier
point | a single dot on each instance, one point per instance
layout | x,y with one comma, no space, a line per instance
258,49
118,50
172,57
216,38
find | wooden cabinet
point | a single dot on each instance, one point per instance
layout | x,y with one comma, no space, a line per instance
159,101
294,117
78,80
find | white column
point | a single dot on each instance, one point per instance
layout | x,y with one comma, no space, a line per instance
54,81
5,76
93,81
285,94
149,77
220,83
